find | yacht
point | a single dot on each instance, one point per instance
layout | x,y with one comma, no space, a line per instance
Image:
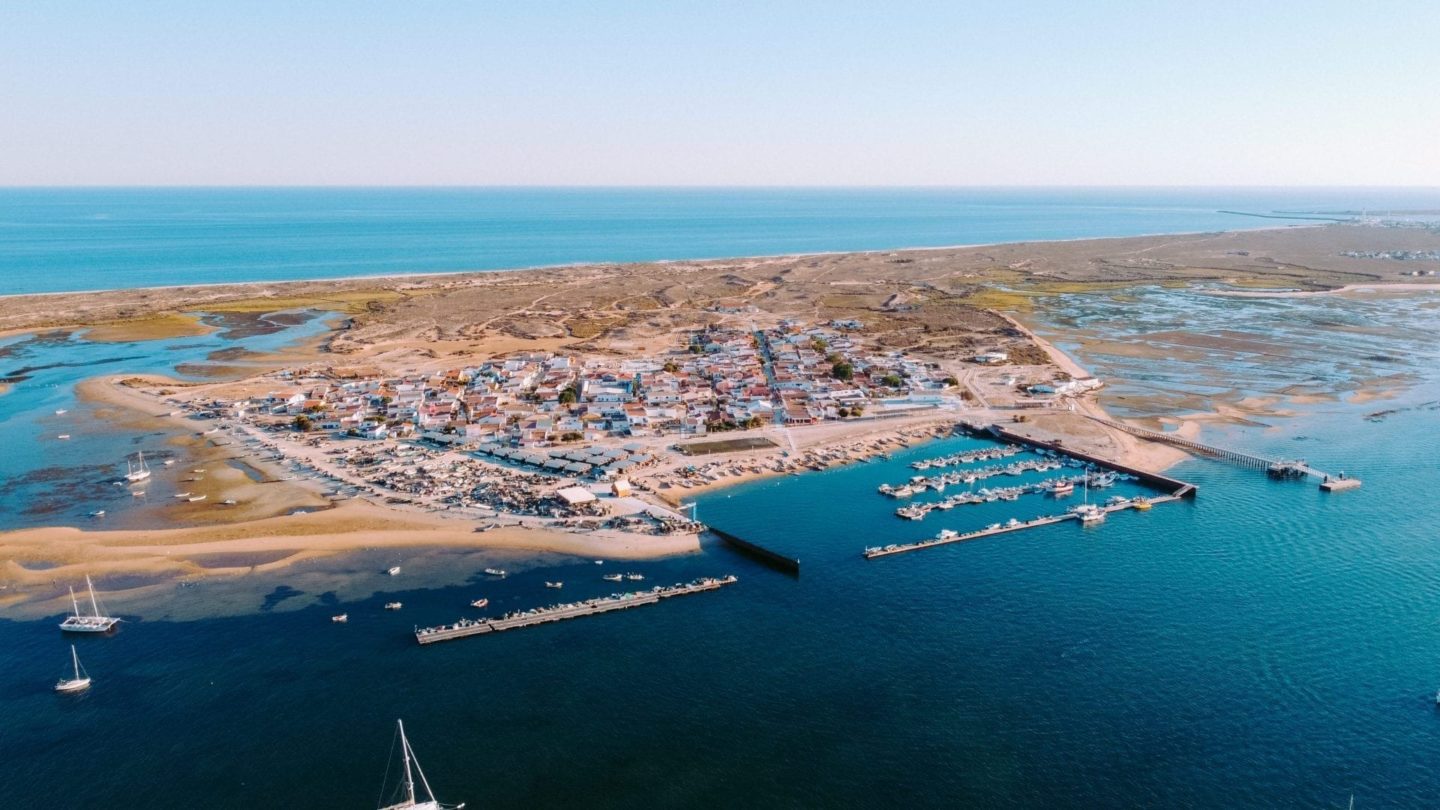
137,471
480,603
555,585
393,605
406,796
394,571
80,682
1089,513
94,622
947,534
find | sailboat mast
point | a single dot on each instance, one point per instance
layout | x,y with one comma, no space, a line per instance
75,606
405,753
93,604
74,656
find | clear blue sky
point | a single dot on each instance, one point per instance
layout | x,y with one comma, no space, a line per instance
720,93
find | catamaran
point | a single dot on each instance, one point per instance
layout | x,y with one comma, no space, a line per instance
80,682
406,790
136,471
78,622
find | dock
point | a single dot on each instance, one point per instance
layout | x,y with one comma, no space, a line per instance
1174,486
901,548
573,610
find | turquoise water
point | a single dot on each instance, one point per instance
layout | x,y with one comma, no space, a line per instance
54,240
45,480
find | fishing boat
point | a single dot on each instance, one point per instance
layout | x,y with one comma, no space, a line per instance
634,577
393,571
341,618
480,603
613,577
393,605
79,682
1062,488
556,585
137,471
406,795
495,572
94,622
1141,504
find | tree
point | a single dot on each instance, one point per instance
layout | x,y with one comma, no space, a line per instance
671,366
843,412
857,410
819,344
842,371
569,396
892,380
301,422
753,422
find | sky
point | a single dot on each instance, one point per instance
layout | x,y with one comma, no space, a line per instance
541,92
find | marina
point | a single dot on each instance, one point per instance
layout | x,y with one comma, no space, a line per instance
570,610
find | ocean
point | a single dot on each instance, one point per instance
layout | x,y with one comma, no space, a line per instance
57,240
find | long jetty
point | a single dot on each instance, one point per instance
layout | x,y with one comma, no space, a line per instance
555,613
901,548
1176,487
774,559
1276,468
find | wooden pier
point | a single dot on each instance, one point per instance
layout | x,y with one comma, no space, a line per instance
1275,468
557,613
901,548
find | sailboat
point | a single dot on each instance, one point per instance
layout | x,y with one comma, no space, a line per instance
80,682
136,471
408,800
78,622
1088,512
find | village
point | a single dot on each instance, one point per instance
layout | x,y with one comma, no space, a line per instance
607,443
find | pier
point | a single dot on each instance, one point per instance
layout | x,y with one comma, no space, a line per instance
774,559
901,548
1174,486
1276,468
575,610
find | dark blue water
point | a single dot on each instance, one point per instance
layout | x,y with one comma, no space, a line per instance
55,240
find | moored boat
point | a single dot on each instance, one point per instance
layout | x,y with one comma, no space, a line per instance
340,618
79,682
495,572
480,603
393,605
410,795
94,622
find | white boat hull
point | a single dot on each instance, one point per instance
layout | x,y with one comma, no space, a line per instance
73,685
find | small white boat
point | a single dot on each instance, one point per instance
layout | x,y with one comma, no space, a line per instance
60,411
138,493
63,436
555,585
393,605
480,603
182,494
405,795
599,562
200,471
169,462
495,572
81,680
613,577
98,513
635,577
195,498
228,502
394,570
340,619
